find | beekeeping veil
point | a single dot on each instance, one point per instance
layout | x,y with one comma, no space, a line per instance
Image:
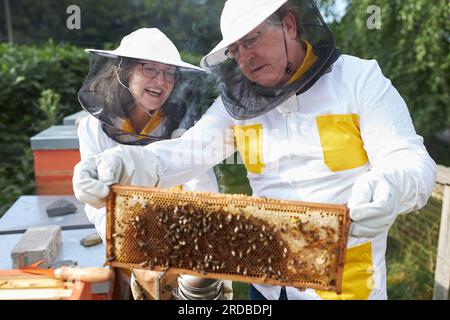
106,94
245,99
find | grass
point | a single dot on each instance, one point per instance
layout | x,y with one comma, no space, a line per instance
411,253
240,291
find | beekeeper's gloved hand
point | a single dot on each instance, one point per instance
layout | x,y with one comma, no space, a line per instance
122,164
374,204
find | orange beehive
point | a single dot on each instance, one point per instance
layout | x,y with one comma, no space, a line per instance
55,153
53,170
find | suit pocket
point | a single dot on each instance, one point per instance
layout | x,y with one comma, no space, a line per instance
249,142
341,141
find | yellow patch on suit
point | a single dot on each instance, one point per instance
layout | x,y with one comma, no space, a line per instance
357,282
249,142
341,141
177,188
154,122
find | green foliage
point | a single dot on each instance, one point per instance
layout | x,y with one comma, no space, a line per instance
101,21
38,86
240,290
413,50
48,104
26,72
16,169
193,25
438,150
232,178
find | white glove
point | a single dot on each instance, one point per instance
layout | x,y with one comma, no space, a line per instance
87,187
374,205
122,164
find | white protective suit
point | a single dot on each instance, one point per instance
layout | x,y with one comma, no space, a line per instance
313,148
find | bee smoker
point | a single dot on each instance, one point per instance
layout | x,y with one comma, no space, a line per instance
198,288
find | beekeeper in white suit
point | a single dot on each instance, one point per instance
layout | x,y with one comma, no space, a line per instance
140,93
311,124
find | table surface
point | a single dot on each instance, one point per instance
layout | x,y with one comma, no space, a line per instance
29,211
71,249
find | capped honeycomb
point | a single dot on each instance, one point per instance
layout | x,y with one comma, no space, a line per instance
231,237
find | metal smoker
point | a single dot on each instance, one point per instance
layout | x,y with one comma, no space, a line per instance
198,288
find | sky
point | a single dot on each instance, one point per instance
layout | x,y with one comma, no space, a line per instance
340,6
339,9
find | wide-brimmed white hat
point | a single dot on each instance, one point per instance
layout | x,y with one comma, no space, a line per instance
239,17
147,44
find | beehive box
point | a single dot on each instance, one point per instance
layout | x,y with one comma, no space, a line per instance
233,237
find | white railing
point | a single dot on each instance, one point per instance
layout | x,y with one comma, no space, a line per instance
442,273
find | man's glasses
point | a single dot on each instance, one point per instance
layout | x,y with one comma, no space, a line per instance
247,42
151,71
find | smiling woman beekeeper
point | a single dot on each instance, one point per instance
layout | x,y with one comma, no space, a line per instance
140,93
311,124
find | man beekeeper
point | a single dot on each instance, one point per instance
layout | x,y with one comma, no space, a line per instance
310,124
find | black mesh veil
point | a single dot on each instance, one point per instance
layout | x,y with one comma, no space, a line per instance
106,95
245,99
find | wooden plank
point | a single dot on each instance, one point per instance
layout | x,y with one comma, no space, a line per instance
442,274
221,276
29,282
35,294
443,175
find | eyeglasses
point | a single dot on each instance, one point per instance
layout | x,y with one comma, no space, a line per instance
247,42
151,71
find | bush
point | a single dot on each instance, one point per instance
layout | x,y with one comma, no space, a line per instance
38,87
28,71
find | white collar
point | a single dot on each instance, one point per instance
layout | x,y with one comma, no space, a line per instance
290,105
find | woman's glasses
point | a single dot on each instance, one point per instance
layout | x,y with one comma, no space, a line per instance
151,71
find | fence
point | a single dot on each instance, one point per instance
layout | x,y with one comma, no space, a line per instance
442,274
415,268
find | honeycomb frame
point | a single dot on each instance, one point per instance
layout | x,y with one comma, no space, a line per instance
231,237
